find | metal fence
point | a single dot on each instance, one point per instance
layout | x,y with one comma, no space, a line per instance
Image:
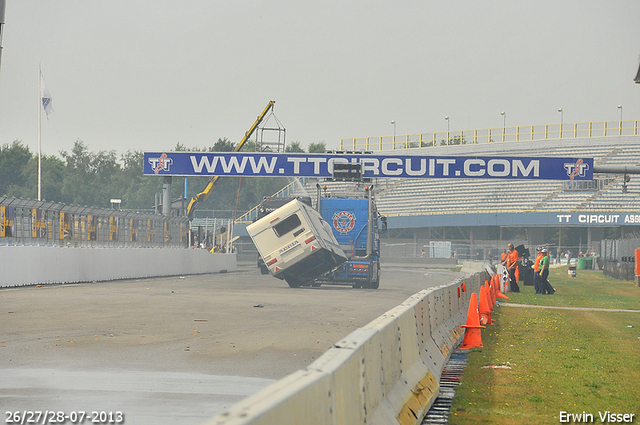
618,257
44,223
216,233
619,250
490,135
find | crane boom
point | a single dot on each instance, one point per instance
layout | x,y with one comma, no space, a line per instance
202,196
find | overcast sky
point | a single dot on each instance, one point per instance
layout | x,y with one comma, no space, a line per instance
146,74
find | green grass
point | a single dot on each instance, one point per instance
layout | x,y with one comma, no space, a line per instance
561,360
588,289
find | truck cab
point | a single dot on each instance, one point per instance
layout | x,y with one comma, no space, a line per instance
355,225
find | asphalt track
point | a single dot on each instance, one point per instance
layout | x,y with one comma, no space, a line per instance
175,349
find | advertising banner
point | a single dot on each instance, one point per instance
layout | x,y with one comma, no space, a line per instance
133,230
3,222
91,227
113,228
65,226
38,225
396,166
151,231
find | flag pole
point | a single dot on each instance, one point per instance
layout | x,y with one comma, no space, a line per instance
39,131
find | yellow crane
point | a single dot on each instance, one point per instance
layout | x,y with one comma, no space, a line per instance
202,196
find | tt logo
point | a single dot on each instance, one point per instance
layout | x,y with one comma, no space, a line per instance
160,164
579,169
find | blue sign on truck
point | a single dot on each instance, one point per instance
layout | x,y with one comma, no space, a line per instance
348,220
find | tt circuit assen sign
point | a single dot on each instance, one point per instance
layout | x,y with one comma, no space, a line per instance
374,166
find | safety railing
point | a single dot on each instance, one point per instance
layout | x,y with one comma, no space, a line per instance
289,190
491,135
44,223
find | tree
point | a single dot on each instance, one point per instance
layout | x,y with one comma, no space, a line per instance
222,145
88,177
14,159
294,147
52,175
319,147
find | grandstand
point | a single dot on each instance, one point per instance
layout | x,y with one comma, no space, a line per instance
420,204
466,196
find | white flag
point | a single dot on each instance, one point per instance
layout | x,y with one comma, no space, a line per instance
46,97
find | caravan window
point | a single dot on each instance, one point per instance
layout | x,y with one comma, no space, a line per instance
287,225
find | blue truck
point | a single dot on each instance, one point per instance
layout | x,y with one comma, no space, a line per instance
357,226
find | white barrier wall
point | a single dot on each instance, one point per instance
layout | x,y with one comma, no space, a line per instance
28,265
386,372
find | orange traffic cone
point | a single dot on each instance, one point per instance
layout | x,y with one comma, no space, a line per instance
501,295
495,287
490,294
472,334
493,296
484,309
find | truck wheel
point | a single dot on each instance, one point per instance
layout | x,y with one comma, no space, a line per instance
264,269
376,283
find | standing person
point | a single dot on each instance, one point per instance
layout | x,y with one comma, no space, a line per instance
546,287
536,271
503,257
512,263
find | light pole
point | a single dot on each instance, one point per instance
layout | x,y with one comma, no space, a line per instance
447,118
394,133
561,120
620,107
504,123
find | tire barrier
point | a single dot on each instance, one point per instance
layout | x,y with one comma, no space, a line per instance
386,372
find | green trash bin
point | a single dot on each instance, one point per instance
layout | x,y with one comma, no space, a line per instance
582,263
589,261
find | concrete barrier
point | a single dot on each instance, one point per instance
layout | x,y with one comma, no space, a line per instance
471,267
386,372
422,262
29,265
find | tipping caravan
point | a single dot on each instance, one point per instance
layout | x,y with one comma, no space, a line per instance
296,244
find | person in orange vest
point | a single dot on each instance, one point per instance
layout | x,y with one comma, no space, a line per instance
512,263
503,257
536,271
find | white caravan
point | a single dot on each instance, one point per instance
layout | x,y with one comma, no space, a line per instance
296,244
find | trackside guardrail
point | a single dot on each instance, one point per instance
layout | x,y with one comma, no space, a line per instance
386,372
